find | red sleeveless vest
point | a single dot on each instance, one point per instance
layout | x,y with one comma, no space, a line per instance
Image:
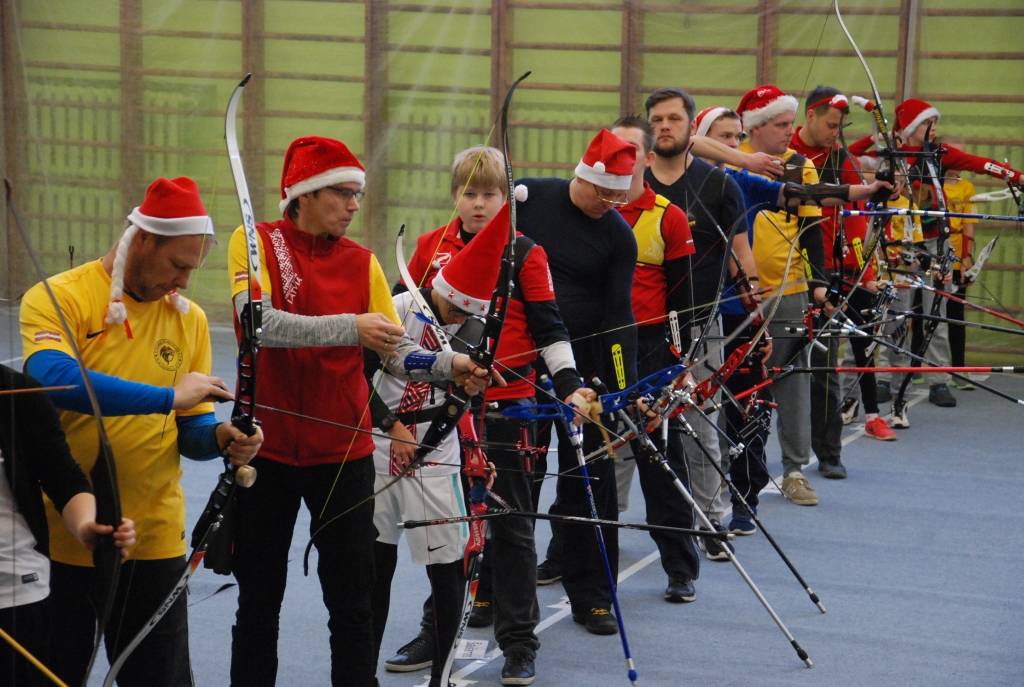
312,275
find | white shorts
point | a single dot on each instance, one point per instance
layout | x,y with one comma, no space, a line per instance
426,498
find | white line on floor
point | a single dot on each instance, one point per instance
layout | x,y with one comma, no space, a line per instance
459,677
772,489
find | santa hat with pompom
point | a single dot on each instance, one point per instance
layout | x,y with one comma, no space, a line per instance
314,162
608,162
469,278
763,104
705,118
172,207
911,113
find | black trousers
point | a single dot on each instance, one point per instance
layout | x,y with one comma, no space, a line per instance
447,585
665,505
161,659
28,625
509,575
957,332
826,413
860,300
747,471
345,565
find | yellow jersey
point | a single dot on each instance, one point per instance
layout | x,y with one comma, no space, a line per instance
776,235
165,345
958,199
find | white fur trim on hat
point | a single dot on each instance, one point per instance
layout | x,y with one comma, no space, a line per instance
521,193
116,311
926,113
338,175
462,301
179,302
755,118
708,119
602,178
172,226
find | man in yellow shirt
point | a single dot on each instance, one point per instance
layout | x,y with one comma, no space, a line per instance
789,255
147,351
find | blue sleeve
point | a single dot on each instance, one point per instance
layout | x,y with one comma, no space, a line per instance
758,192
116,396
197,436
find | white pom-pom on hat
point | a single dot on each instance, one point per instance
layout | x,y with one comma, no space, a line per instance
599,167
521,193
179,302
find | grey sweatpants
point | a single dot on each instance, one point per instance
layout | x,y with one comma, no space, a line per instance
793,392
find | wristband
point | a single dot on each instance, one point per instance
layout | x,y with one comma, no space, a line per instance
388,421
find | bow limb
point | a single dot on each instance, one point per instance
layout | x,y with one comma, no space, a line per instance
106,556
455,403
207,532
417,296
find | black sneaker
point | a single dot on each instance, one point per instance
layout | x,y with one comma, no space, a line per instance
850,410
482,615
832,469
416,655
680,591
939,395
548,572
715,549
597,621
518,669
883,392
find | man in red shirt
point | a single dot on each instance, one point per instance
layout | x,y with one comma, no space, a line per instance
916,129
844,241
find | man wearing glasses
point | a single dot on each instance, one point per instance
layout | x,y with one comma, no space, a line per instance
325,297
592,253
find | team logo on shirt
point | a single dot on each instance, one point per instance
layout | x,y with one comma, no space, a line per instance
167,355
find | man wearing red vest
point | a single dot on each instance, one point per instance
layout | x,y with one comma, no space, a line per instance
325,297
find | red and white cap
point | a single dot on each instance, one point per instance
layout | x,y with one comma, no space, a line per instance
608,162
762,104
837,101
469,278
705,118
314,162
912,112
172,207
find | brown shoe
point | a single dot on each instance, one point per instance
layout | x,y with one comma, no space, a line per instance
798,490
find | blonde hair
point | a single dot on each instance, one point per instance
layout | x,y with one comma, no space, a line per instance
479,166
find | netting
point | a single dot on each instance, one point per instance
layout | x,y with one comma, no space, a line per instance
99,98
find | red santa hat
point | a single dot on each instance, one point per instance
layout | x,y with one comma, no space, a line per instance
172,207
911,113
762,104
705,118
608,162
469,278
314,162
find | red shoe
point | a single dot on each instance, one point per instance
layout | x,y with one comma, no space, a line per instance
877,428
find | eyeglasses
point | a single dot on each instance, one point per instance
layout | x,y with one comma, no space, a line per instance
615,199
347,194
